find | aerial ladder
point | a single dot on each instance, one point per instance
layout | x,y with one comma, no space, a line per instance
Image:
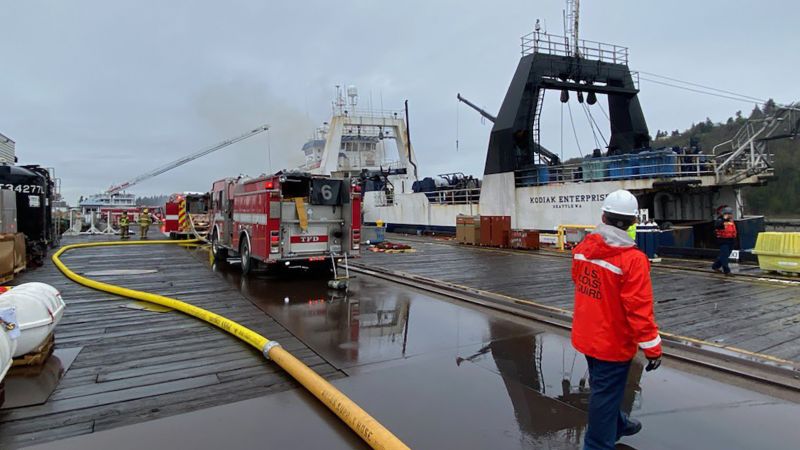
746,154
115,189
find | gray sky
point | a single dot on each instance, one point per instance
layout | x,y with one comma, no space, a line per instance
103,91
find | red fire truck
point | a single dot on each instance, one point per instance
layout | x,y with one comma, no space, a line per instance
287,220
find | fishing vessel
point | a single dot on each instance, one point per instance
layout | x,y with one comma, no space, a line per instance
529,184
107,201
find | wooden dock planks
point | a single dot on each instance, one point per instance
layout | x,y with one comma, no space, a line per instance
743,312
139,365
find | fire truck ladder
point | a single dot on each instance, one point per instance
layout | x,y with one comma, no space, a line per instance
186,159
746,154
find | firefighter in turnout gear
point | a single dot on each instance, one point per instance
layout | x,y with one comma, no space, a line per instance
725,230
124,226
613,317
144,223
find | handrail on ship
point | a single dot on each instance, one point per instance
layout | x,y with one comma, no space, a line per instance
612,168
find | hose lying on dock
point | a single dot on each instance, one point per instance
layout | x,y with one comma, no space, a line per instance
369,429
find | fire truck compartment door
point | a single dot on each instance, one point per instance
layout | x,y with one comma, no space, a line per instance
314,240
322,223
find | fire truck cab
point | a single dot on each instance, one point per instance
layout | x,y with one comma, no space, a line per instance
285,220
185,209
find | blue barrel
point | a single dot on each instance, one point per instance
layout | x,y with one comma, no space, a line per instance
588,169
669,163
645,163
647,239
543,174
616,167
632,167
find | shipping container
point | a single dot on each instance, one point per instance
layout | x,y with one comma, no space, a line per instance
472,230
501,229
486,231
524,239
461,230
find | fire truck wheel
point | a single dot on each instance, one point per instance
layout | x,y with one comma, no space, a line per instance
220,253
244,253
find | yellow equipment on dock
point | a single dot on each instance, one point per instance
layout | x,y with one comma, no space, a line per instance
778,252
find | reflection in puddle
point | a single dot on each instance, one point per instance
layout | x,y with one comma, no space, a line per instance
547,382
33,385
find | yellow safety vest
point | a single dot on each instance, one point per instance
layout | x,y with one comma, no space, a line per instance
632,232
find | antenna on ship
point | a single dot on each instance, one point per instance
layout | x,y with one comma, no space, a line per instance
339,102
352,95
571,30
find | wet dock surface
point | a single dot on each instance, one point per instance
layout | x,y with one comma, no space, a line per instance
743,312
135,365
445,374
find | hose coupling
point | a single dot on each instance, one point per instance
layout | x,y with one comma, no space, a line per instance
268,346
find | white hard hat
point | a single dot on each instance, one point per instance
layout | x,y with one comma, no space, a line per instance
621,202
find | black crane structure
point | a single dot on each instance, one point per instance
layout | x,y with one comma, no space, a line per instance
550,64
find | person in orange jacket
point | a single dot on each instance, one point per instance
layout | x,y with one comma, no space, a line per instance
613,317
725,230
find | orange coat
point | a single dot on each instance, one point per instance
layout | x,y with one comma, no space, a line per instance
726,230
613,298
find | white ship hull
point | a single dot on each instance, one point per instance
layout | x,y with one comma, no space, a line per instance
545,207
548,206
414,211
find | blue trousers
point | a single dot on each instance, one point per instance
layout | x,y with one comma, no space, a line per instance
725,249
607,386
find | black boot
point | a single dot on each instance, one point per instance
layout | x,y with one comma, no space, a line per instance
633,426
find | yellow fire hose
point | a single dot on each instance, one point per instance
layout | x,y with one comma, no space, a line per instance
369,429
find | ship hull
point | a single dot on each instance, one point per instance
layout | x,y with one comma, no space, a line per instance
546,207
413,212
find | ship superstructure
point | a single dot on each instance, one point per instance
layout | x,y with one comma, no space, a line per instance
375,146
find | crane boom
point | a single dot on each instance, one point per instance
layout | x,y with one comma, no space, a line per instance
179,162
475,107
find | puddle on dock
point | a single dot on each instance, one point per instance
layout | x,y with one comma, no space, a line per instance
119,272
33,385
474,378
146,306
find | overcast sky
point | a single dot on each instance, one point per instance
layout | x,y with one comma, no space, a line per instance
106,90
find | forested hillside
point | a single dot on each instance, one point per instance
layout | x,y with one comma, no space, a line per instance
780,198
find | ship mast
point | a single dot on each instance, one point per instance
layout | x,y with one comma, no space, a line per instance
572,20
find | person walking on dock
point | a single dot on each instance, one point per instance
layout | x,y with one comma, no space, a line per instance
124,226
613,316
144,223
725,230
